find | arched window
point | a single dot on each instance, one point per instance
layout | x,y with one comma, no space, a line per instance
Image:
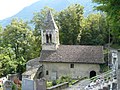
50,38
47,38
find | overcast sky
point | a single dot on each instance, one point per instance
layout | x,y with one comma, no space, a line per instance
11,7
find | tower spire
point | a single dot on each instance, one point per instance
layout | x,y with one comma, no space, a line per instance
50,22
50,34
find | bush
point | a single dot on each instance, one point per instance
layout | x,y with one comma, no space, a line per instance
65,79
14,87
62,80
49,84
54,82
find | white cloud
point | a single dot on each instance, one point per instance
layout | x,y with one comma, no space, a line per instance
10,7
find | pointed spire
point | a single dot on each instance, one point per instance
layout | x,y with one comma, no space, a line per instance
50,22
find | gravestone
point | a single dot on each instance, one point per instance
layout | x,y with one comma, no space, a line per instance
41,84
109,86
8,85
27,84
105,88
114,86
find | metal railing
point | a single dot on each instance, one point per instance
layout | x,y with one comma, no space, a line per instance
100,81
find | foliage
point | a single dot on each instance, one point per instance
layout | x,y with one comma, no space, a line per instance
112,10
14,87
63,79
70,24
104,68
111,7
7,63
54,83
16,47
19,43
49,84
94,30
60,80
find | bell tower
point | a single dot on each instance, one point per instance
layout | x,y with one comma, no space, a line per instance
50,34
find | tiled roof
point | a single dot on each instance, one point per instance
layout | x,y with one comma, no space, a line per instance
74,54
30,72
33,62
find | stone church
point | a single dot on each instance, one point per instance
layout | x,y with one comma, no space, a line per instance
63,60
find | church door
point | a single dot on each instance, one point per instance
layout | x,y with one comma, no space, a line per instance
92,74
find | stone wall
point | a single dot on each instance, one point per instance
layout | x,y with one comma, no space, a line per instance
49,47
56,70
59,86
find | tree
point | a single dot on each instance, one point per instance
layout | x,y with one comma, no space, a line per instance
19,37
7,62
68,21
70,24
1,30
94,30
112,9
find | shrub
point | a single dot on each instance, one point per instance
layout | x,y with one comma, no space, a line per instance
49,84
65,79
54,82
14,87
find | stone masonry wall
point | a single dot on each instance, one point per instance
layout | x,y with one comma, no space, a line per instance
63,69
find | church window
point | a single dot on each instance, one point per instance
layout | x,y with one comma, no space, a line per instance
47,38
47,73
71,65
50,38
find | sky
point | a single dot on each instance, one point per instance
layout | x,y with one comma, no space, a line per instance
9,8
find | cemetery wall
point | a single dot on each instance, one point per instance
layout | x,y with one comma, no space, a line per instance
59,86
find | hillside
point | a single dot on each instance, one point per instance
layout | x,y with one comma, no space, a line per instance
27,12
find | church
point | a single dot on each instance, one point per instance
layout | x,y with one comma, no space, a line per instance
63,60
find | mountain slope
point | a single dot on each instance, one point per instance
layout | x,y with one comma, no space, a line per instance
27,12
